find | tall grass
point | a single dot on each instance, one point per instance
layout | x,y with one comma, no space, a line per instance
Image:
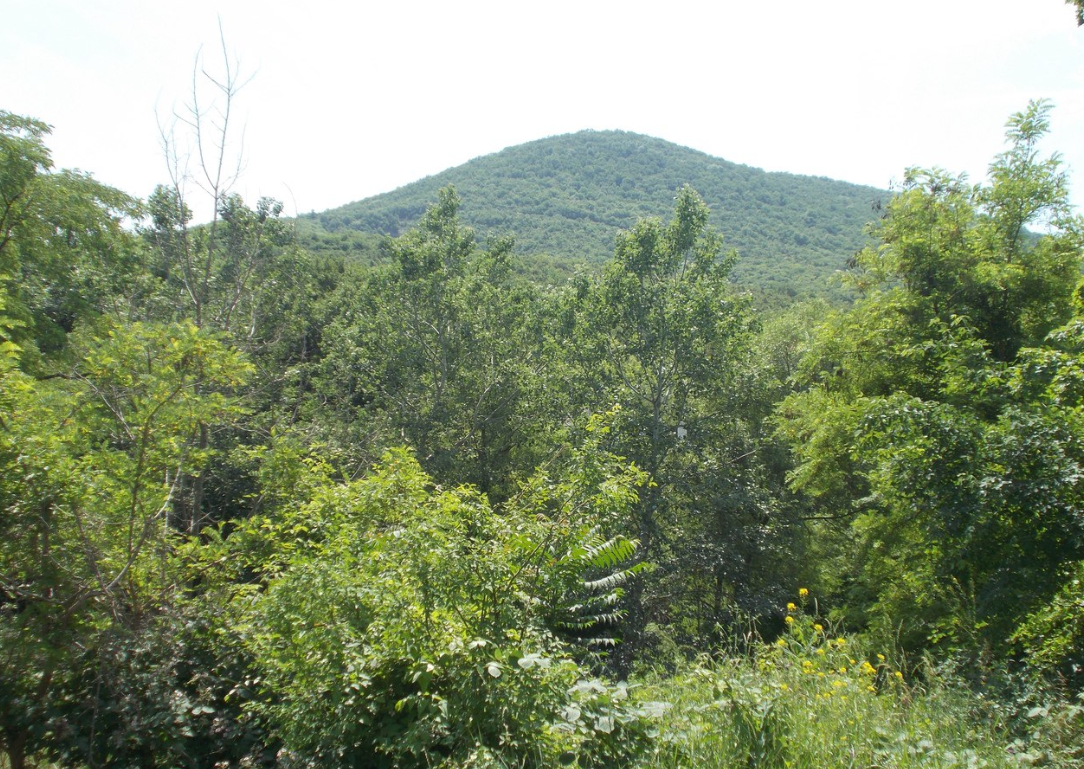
815,699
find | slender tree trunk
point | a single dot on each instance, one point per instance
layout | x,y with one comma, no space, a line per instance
195,521
16,749
636,623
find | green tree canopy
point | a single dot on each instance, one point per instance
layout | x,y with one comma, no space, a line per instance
925,421
64,253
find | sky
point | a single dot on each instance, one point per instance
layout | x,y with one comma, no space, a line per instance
342,101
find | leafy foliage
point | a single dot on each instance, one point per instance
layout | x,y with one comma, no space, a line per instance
664,334
261,508
441,349
931,415
63,250
89,464
409,625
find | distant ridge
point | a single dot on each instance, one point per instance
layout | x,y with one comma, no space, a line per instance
568,196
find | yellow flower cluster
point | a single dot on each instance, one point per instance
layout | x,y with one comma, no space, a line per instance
830,658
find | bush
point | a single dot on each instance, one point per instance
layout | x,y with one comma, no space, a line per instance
407,625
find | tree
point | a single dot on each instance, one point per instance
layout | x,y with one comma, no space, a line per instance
240,275
926,425
90,463
1079,5
64,253
664,336
439,348
962,251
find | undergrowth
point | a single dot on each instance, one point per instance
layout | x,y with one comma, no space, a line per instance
816,699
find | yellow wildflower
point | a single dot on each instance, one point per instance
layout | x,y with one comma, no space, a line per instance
868,669
802,592
791,607
790,620
881,657
899,675
819,628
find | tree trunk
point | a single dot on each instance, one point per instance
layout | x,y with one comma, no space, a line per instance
16,749
195,521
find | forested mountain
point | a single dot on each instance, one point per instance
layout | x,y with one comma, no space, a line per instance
568,196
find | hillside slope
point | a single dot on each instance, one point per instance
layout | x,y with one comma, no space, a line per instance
567,197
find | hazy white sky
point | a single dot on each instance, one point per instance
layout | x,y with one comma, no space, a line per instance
353,99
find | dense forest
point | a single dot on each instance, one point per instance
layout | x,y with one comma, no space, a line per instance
269,505
565,198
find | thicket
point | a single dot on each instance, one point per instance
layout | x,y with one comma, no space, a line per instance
261,507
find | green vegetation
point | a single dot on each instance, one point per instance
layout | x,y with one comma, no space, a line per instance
262,505
404,625
936,419
1079,4
567,197
816,698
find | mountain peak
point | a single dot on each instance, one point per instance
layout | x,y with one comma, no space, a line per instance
567,197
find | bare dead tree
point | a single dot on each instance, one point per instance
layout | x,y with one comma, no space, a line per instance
200,149
208,160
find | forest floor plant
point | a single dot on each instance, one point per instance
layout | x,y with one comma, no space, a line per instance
815,698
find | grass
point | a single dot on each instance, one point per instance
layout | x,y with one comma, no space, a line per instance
816,699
